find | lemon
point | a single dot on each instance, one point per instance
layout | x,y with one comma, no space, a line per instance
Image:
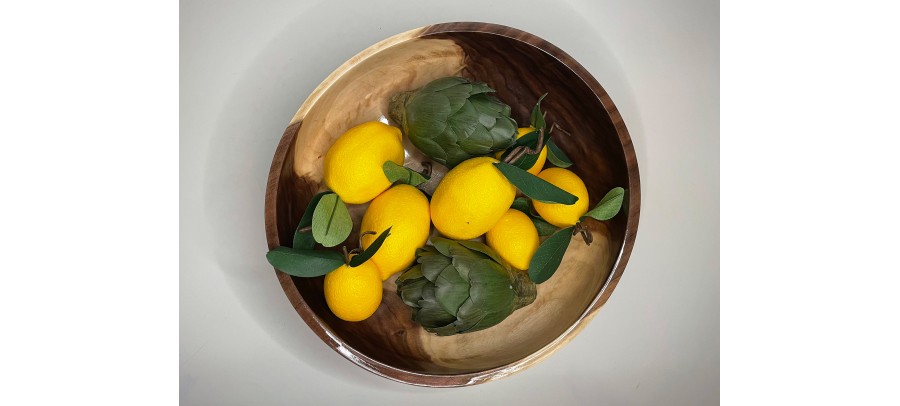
562,215
353,294
514,238
404,209
353,164
542,157
470,199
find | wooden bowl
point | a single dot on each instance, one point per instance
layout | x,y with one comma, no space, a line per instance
521,67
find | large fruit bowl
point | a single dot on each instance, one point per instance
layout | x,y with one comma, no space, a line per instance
520,67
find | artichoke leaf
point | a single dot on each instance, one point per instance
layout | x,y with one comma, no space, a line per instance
442,245
480,87
469,316
482,248
411,291
428,114
485,322
451,290
413,273
431,313
438,85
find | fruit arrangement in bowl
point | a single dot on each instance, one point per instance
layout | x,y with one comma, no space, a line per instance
434,223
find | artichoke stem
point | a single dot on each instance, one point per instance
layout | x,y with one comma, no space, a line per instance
525,289
397,108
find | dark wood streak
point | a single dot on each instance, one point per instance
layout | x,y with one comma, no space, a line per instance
520,67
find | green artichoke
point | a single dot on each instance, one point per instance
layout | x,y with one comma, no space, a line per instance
452,119
462,286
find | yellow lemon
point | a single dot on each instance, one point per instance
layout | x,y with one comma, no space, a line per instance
470,199
562,215
353,294
542,157
514,238
404,209
353,164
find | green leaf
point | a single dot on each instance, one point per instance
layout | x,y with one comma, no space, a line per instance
528,140
609,205
535,187
371,250
526,161
521,204
556,156
304,263
549,255
482,248
331,223
543,227
403,174
537,119
304,239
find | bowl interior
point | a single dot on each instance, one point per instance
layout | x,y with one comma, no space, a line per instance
520,71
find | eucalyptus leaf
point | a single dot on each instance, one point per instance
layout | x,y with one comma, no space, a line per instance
549,255
304,263
537,119
331,223
403,174
556,156
535,187
609,206
543,228
371,250
304,239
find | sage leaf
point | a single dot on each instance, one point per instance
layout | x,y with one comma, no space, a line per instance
304,263
543,228
537,119
371,250
535,187
304,239
556,156
331,223
609,205
549,255
403,174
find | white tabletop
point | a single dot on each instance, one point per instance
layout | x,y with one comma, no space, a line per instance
247,66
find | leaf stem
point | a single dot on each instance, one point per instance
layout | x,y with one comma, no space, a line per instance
585,233
520,151
555,126
346,254
363,234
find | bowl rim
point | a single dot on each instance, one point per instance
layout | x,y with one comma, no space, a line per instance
633,200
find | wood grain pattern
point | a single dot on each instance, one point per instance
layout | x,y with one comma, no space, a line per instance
388,343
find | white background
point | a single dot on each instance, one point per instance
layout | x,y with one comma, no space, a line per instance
96,308
247,66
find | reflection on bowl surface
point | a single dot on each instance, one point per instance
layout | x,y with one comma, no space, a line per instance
520,67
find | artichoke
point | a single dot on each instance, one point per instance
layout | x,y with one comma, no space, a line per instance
462,286
452,119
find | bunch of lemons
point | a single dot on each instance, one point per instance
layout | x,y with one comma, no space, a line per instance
472,200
